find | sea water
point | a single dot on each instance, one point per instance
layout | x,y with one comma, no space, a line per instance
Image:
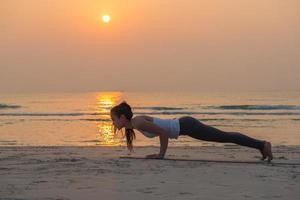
82,119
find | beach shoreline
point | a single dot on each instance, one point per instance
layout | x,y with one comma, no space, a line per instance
59,172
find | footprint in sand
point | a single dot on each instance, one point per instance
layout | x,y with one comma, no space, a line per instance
147,190
282,158
185,193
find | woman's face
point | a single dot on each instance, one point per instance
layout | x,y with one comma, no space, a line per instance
117,122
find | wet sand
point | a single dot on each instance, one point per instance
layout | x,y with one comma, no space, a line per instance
229,172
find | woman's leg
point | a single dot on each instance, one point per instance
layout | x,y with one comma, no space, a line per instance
195,129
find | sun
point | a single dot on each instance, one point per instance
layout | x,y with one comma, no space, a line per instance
105,18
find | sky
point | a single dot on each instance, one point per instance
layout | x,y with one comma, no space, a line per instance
158,45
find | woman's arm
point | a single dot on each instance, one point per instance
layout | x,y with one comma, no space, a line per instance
164,140
141,124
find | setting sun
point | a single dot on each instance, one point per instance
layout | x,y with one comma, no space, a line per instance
105,18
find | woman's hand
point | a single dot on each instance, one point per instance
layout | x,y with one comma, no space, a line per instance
155,156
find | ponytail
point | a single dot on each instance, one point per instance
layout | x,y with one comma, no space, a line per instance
130,136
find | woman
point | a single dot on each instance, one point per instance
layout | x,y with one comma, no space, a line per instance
121,116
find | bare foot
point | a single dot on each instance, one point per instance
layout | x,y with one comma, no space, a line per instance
263,156
267,151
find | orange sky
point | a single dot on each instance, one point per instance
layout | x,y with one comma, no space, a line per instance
62,45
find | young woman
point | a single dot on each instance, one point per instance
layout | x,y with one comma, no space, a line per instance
122,117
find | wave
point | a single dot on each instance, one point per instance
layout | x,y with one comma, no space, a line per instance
51,114
227,107
159,108
84,119
256,107
202,119
6,106
7,142
246,120
149,113
219,113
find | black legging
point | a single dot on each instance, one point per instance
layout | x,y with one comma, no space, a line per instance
195,129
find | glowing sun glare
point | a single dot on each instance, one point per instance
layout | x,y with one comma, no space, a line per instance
105,18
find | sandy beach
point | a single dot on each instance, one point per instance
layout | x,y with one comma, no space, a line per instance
100,173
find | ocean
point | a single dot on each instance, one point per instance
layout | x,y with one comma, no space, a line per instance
82,119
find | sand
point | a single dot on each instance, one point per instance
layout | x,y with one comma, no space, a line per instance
99,173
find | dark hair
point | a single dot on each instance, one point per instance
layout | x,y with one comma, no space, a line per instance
125,109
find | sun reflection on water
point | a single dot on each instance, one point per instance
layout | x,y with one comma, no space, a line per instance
105,101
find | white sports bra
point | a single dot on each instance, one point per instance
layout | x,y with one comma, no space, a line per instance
170,125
